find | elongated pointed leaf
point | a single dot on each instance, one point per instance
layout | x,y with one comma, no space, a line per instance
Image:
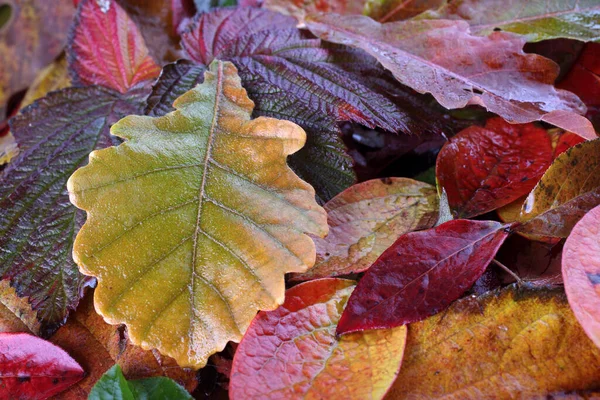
581,273
230,213
366,219
32,368
566,192
421,274
483,169
444,59
292,352
536,19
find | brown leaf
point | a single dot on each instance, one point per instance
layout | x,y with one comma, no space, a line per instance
16,314
396,10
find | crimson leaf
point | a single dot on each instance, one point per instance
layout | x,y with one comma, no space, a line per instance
421,274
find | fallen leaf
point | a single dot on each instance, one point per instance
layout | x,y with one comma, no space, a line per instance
366,219
396,10
118,61
581,273
535,19
32,368
458,69
96,346
16,314
37,222
54,77
421,274
293,353
484,168
233,219
114,386
8,148
300,8
506,344
568,190
32,37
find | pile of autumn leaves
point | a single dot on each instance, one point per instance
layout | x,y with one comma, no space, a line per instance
193,217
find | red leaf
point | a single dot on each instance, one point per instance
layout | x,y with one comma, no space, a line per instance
483,169
421,274
107,48
581,273
565,142
32,368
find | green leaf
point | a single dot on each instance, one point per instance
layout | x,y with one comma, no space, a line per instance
195,219
114,386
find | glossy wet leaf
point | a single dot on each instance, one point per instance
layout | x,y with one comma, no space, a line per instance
118,60
33,36
535,19
366,219
396,10
565,193
581,273
512,343
16,314
457,68
484,168
421,274
32,368
293,353
231,213
96,346
37,222
114,386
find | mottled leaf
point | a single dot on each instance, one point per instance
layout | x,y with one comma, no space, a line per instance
114,386
581,273
232,218
16,314
293,353
568,190
512,343
32,368
421,274
484,168
32,37
8,148
444,59
118,61
96,346
536,19
396,10
366,219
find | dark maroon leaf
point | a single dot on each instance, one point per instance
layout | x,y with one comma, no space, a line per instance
421,274
483,169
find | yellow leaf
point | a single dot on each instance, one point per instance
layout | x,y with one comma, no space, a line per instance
54,77
513,343
195,219
16,314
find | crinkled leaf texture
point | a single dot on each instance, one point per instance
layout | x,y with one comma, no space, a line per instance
96,346
581,273
536,19
566,192
114,386
506,344
55,135
458,69
291,75
32,368
421,274
293,353
366,219
484,168
195,219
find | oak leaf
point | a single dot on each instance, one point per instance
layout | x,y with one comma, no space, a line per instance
195,219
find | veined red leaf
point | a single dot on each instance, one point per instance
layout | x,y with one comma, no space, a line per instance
292,352
37,222
106,48
421,274
32,368
483,169
444,59
581,273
